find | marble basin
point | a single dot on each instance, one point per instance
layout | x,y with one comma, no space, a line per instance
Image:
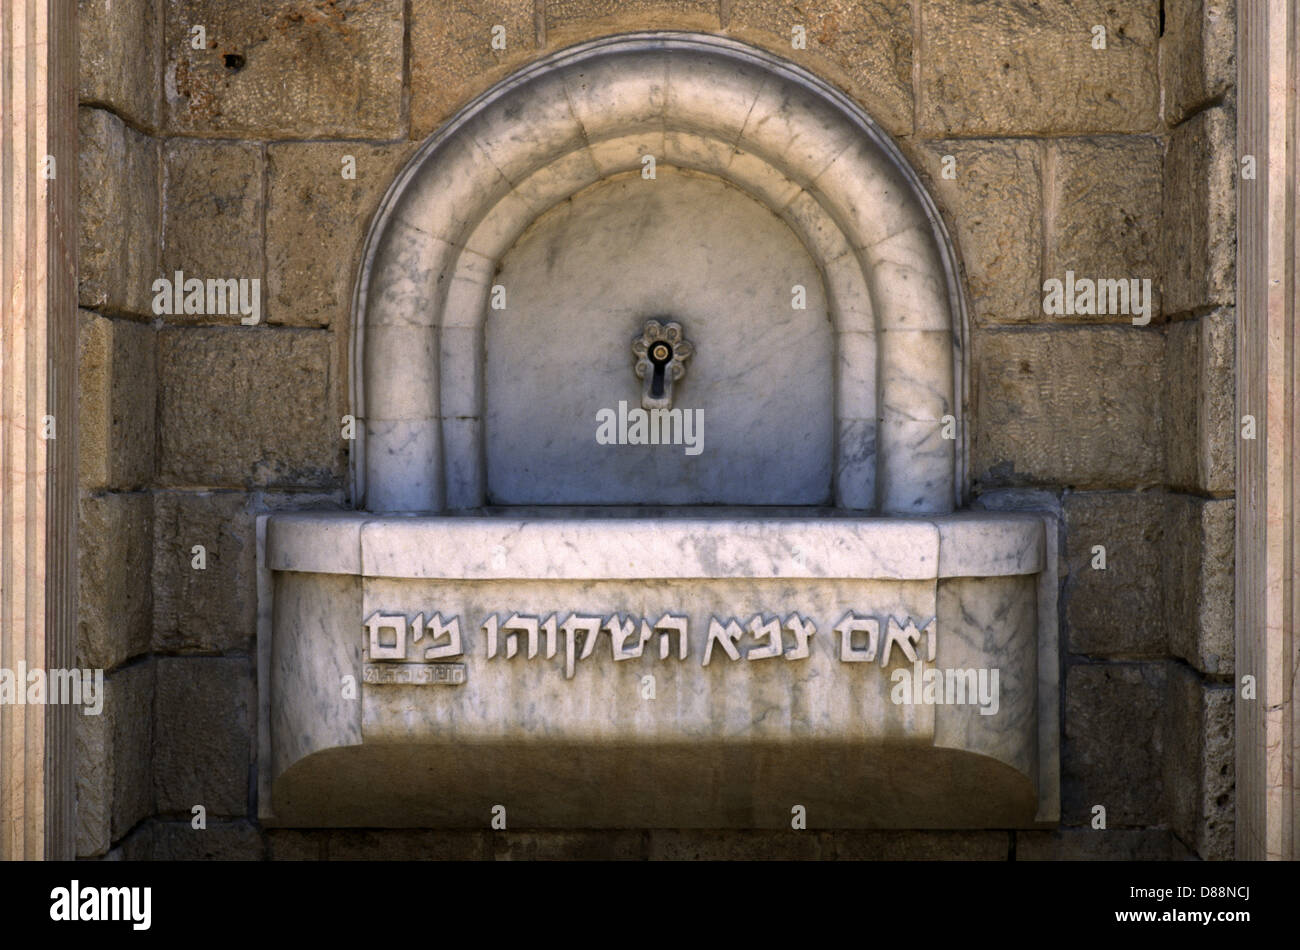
607,667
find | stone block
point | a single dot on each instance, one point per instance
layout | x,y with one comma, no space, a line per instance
1200,414
219,841
117,396
1029,66
212,610
1198,54
282,68
117,209
604,845
1075,407
452,58
114,558
692,845
202,736
1199,774
316,224
1106,215
212,226
869,43
285,844
1118,611
249,406
1115,744
1089,844
1198,226
1198,581
994,206
118,53
408,845
114,788
918,845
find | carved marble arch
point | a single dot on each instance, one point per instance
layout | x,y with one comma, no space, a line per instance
701,103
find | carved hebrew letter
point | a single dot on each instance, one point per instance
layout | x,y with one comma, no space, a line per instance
906,637
771,630
571,626
726,637
850,625
620,632
490,628
802,630
380,621
548,628
666,625
527,625
437,630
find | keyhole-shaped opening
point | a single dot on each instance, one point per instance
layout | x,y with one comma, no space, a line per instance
661,354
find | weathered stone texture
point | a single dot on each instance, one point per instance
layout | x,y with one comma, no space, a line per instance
119,56
1114,744
1200,413
287,844
611,845
248,406
693,845
118,388
117,210
285,68
215,609
917,845
114,787
316,224
1198,227
869,42
1198,581
115,551
452,58
1029,67
212,226
1077,407
1199,779
995,208
1118,611
219,841
1106,215
202,735
1089,844
1198,57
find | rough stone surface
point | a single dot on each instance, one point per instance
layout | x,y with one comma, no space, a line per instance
114,790
202,735
1088,844
452,58
118,390
1105,220
1028,66
212,226
1114,744
117,210
316,224
119,55
620,845
285,68
1200,414
1076,407
737,846
248,406
219,841
1199,778
994,206
869,42
215,609
115,551
1198,227
1198,57
359,845
917,845
1198,581
286,844
1118,611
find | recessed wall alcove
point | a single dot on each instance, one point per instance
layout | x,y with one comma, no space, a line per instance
505,277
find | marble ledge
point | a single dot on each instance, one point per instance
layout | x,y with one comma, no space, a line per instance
627,543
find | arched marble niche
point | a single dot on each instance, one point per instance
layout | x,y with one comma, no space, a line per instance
596,635
878,260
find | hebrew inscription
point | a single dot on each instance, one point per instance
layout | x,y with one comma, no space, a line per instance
393,639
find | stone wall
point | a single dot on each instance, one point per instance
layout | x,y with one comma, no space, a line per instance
227,161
